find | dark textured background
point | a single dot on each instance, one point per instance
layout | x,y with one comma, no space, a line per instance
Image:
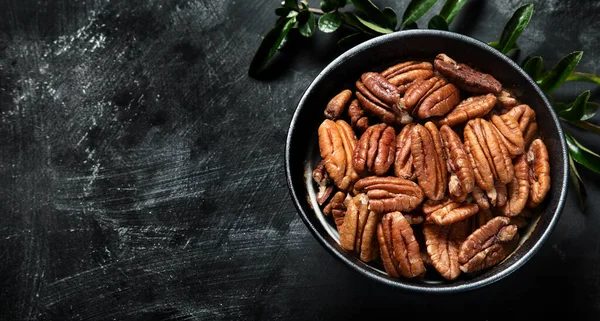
141,170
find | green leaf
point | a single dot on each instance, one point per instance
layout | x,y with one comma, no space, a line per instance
578,183
308,27
330,22
582,76
587,126
282,11
514,27
496,45
438,22
372,12
390,16
351,40
583,155
559,107
450,9
560,72
352,20
576,109
269,45
415,10
331,5
373,26
292,4
534,66
590,110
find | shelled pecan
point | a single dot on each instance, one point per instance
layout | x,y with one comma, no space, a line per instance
403,162
336,143
495,197
470,108
488,245
336,208
443,245
428,161
465,77
375,150
358,119
380,98
510,134
387,194
539,174
337,105
430,97
405,74
399,249
462,180
518,188
448,211
358,232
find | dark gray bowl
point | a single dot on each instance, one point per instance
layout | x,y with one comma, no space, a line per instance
302,152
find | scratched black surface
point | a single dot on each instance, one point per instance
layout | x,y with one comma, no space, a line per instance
141,170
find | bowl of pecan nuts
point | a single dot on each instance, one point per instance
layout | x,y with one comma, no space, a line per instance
421,159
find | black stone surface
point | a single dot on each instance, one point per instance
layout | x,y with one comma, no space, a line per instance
141,170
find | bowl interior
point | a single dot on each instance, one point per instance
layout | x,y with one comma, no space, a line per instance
302,152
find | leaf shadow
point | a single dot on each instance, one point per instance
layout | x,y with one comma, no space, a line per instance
468,18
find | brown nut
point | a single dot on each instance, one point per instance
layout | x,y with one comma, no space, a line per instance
428,161
380,98
414,218
336,208
510,134
336,144
321,177
518,188
388,194
495,197
448,212
470,108
443,244
539,174
431,97
505,100
403,162
462,180
358,119
375,150
488,245
525,116
478,220
404,74
337,105
488,155
358,232
399,249
465,77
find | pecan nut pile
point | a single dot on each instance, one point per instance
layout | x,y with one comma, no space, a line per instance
430,167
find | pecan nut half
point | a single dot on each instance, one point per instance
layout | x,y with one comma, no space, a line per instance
428,160
495,197
398,246
525,116
448,212
337,105
336,208
505,100
358,232
403,162
465,77
462,179
375,150
404,74
358,119
380,98
539,174
336,144
470,108
388,194
478,220
488,155
518,188
321,177
431,97
488,245
510,134
443,244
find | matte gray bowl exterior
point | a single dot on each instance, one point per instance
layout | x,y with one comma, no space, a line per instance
301,151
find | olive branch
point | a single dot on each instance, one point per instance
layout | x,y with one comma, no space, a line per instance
368,21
